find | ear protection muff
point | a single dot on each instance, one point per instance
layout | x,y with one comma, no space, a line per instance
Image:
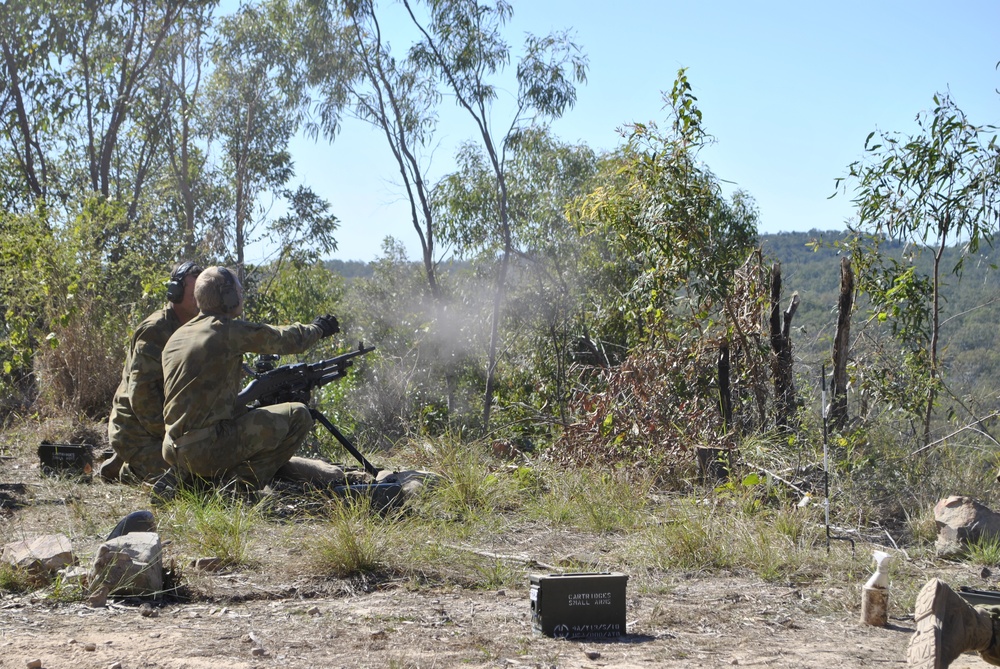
230,296
175,287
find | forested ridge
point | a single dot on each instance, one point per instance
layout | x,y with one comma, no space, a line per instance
810,262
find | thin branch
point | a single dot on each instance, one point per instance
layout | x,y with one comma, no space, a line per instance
971,426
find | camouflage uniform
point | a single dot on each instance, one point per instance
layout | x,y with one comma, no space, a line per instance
135,428
207,435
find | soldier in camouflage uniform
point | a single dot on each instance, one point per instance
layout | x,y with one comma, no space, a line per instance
135,428
207,435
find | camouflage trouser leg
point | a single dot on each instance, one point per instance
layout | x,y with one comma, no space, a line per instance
142,454
250,448
991,655
308,470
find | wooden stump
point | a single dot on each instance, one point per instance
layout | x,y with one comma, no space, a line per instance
713,463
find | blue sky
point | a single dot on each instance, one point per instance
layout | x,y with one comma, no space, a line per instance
789,90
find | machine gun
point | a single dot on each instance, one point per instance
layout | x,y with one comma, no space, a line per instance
295,383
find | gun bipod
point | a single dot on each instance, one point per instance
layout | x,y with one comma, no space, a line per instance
345,442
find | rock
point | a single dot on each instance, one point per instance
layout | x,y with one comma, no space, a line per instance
46,554
35,664
99,597
131,564
592,654
961,521
75,575
314,611
90,647
258,652
207,564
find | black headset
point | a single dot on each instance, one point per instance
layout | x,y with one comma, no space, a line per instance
230,296
175,287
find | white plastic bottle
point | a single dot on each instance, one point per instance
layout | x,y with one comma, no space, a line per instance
875,593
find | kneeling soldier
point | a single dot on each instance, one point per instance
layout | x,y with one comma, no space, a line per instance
207,435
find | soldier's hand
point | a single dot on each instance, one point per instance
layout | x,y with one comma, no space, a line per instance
328,324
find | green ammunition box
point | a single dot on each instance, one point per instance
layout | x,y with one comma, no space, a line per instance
576,606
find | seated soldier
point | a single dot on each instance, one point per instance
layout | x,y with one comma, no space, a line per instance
948,626
207,435
135,427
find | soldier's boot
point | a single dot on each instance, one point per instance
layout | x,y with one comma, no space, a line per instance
110,469
948,626
164,488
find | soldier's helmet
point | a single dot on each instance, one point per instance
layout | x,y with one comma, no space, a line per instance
219,293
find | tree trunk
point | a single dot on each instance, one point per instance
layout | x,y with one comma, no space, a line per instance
494,342
725,390
781,345
841,345
933,373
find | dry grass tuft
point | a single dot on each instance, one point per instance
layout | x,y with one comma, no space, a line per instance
78,372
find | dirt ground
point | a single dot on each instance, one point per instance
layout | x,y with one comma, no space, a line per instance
702,623
273,616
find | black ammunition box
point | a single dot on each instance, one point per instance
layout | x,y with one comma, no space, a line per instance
577,606
65,458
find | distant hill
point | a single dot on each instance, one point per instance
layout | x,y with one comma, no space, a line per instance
970,334
349,269
355,269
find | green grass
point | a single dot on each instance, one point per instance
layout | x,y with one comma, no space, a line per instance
357,541
15,580
214,523
592,501
985,551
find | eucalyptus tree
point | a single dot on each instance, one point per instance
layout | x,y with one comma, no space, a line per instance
550,275
83,117
667,221
35,98
181,78
684,287
462,43
352,66
253,109
74,94
926,191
